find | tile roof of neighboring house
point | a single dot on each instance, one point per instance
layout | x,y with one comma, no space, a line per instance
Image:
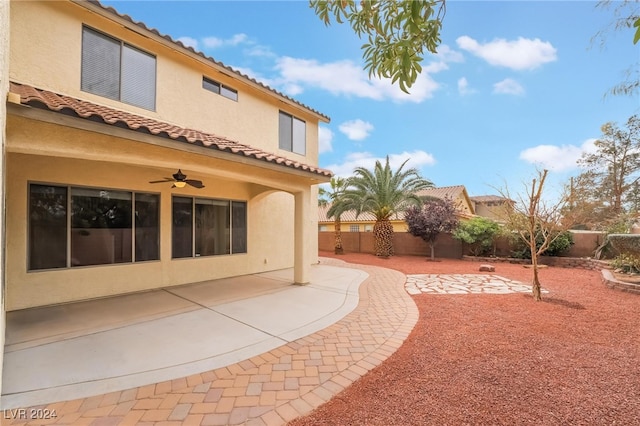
452,192
192,50
350,216
444,191
83,109
487,198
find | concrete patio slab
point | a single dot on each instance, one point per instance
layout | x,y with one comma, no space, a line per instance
272,388
101,346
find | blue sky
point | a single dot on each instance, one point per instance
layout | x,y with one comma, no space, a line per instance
515,85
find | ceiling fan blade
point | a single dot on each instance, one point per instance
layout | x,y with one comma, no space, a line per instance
195,183
162,181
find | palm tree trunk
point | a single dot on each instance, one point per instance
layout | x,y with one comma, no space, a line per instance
338,249
383,238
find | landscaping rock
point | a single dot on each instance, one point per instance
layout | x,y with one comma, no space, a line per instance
487,268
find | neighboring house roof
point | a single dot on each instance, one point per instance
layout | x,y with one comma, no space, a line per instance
63,104
181,45
488,199
441,192
350,215
452,192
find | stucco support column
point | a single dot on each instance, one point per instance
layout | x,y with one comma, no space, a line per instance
302,230
4,89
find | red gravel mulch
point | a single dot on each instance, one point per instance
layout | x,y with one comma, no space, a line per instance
503,359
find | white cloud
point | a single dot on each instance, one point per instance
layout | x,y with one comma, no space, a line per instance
508,86
325,139
352,80
463,87
215,42
520,54
446,54
557,158
260,51
367,160
189,42
356,130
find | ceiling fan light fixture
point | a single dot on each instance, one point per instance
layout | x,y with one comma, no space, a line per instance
179,184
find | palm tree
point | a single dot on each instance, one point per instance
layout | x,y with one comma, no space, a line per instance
337,205
383,192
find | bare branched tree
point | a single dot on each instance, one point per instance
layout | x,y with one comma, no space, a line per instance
536,221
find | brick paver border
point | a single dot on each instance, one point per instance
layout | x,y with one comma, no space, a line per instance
269,389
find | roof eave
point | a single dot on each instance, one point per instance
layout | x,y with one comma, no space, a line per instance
140,28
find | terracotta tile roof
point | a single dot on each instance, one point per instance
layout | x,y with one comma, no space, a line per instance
192,50
350,216
487,198
40,98
452,192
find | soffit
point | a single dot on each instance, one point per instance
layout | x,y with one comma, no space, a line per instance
44,99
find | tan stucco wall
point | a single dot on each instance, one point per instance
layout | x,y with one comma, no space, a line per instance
4,86
252,120
129,165
491,211
53,148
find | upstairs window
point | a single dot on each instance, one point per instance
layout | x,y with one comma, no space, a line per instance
219,88
116,70
293,134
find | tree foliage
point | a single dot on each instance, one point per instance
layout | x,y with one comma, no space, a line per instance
397,33
384,192
338,204
431,219
537,222
626,16
608,184
478,233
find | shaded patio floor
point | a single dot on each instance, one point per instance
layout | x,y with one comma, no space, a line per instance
80,349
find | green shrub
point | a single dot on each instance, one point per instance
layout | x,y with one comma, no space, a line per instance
478,233
627,263
562,243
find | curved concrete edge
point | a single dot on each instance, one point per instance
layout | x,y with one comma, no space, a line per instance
257,332
610,281
276,386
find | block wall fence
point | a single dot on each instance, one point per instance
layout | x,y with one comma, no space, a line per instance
447,247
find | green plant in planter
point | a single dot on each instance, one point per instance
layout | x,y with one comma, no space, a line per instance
626,263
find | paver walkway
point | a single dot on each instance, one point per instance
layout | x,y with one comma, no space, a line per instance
269,389
464,284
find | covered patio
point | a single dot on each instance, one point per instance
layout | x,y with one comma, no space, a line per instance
81,349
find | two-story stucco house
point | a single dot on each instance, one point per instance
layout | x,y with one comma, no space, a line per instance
133,162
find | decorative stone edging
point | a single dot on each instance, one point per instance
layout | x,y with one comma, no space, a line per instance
570,262
610,281
561,262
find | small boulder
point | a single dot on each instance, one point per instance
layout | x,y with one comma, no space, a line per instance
487,268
